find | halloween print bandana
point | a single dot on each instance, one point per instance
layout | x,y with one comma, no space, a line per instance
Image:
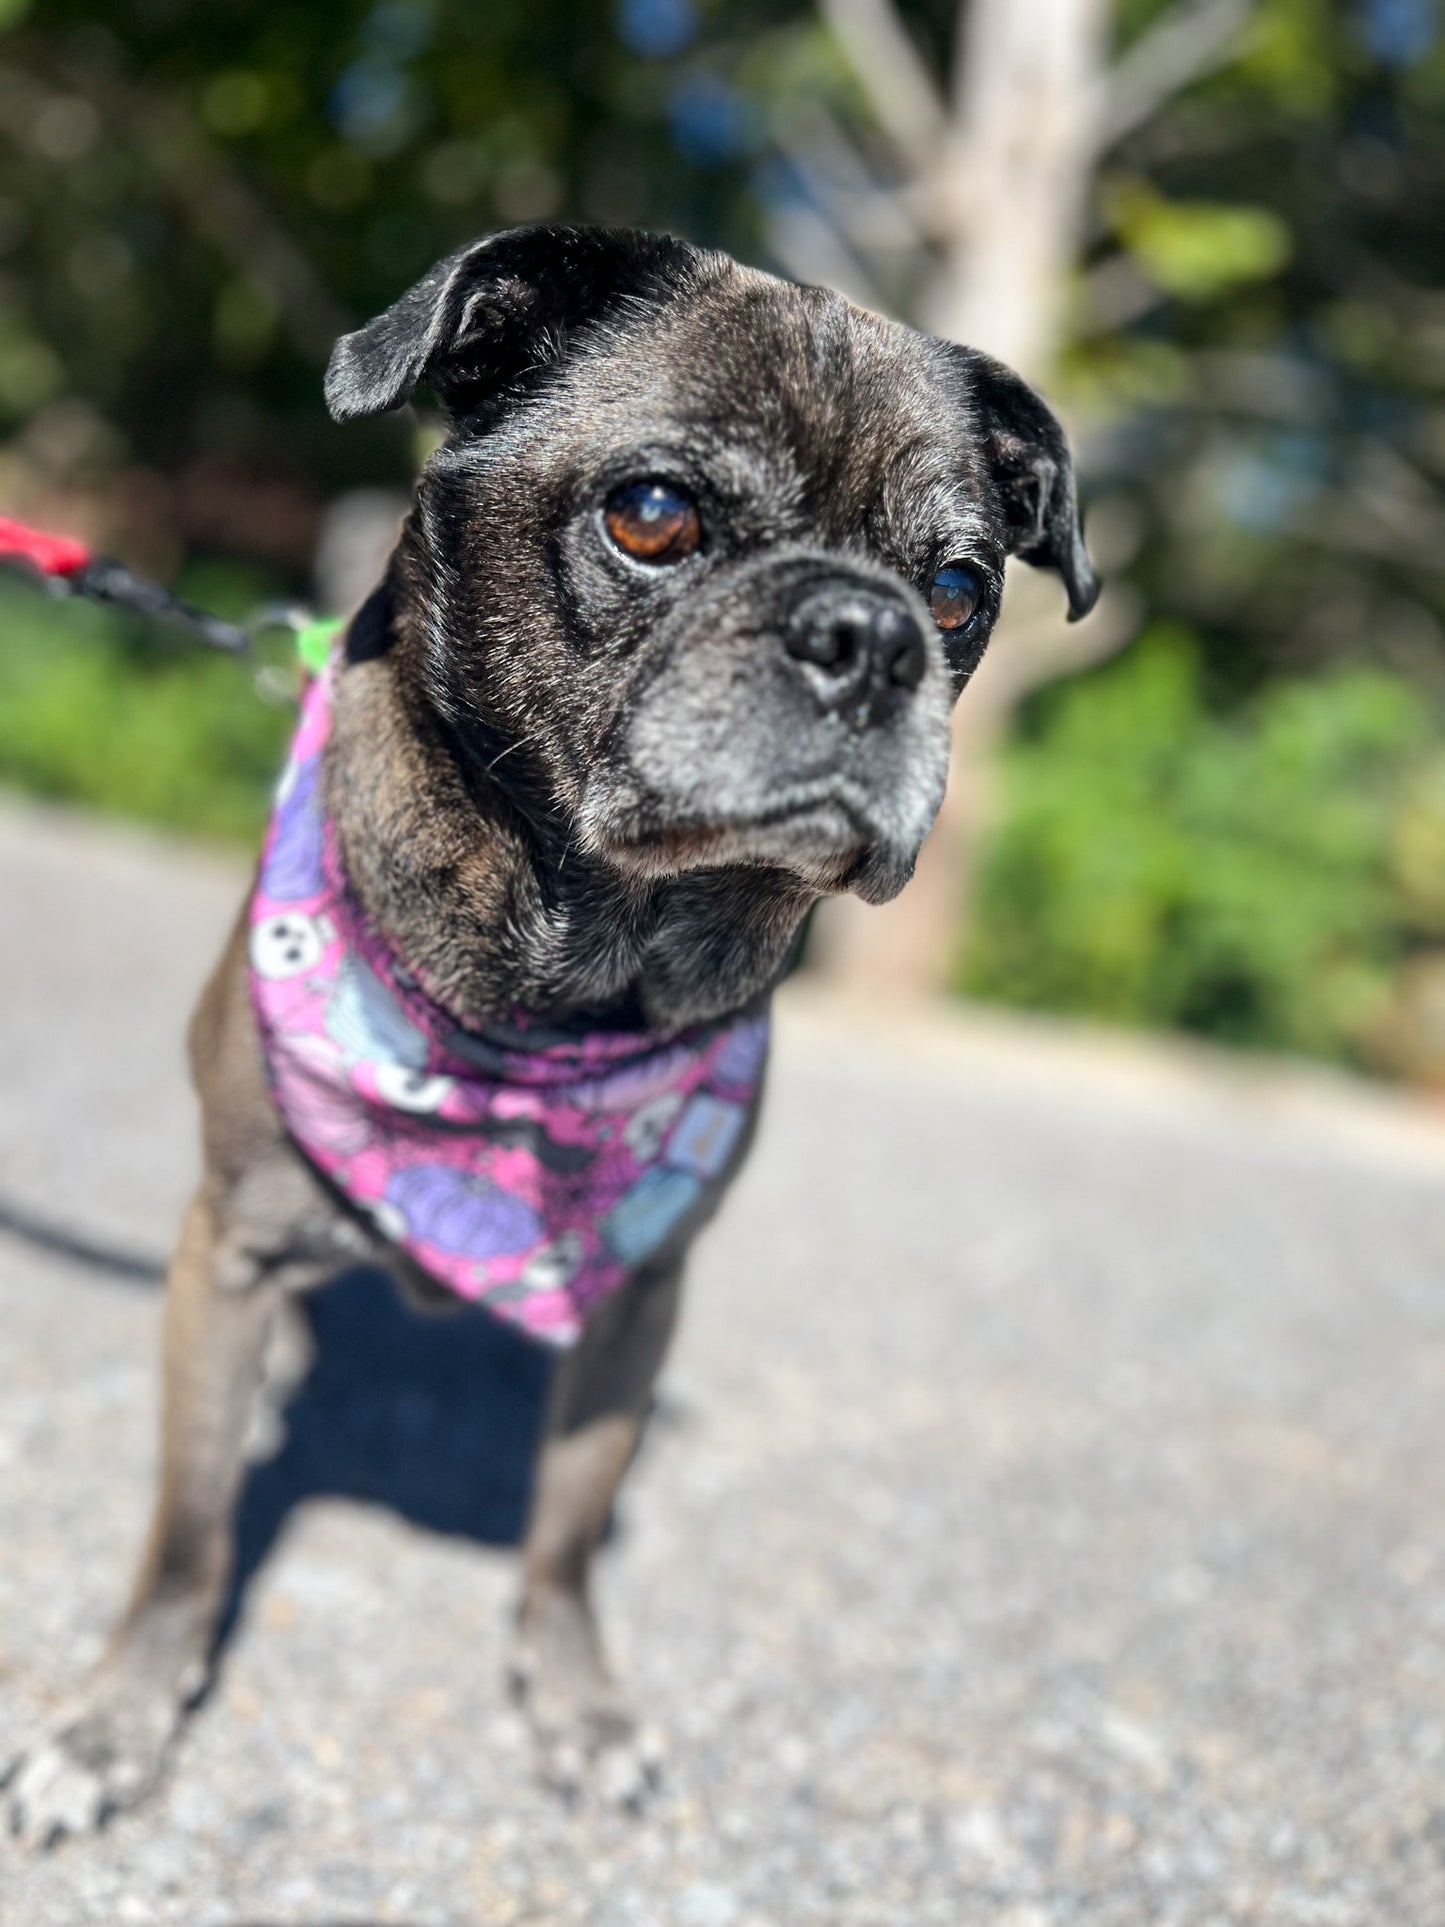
530,1169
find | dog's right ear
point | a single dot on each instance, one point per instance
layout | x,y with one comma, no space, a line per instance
1033,470
497,307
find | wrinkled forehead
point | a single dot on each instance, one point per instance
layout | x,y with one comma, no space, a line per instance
782,392
802,366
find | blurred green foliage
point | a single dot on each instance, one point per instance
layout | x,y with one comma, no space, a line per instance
1198,250
198,198
1258,878
113,714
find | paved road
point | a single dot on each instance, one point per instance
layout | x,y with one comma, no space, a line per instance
1045,1522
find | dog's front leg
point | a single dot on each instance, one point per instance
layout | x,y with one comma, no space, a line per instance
106,1749
599,1399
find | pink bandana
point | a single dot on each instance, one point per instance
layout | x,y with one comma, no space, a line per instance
532,1170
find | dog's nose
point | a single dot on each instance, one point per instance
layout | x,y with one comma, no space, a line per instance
857,637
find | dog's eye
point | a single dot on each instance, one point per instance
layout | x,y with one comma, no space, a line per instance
653,522
955,596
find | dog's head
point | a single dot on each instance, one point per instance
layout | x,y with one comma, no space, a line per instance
706,557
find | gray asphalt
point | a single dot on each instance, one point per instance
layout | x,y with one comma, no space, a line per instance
1044,1522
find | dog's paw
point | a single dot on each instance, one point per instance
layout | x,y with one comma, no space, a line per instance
599,1755
105,1754
588,1746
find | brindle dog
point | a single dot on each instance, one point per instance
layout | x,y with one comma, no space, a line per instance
665,653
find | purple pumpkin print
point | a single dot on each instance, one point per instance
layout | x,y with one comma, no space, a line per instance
462,1211
293,863
623,1090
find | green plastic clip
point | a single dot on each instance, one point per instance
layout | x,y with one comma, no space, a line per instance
313,643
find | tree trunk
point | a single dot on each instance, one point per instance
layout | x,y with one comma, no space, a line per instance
1009,195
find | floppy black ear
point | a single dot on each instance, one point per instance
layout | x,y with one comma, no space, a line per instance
1034,471
493,309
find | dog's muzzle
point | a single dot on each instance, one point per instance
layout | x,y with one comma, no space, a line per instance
799,716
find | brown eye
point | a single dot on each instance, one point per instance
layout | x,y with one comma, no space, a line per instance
955,596
653,522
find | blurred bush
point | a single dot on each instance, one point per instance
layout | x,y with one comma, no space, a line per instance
99,710
1260,876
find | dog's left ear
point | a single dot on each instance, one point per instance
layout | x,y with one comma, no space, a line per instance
1034,473
495,309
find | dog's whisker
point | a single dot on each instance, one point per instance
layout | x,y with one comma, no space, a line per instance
521,743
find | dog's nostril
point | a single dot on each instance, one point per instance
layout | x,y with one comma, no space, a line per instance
836,634
831,638
901,644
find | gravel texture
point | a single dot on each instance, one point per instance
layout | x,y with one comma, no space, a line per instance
1044,1520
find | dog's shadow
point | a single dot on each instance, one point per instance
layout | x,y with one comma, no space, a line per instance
437,1417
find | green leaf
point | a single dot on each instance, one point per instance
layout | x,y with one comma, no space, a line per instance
1197,250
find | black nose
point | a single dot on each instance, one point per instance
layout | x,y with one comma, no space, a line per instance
857,637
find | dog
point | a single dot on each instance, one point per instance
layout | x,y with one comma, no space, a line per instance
666,652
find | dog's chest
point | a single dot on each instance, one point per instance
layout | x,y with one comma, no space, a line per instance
532,1171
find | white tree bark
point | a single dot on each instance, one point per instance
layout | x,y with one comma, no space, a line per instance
1012,179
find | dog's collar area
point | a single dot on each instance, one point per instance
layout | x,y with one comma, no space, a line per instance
527,1165
522,1046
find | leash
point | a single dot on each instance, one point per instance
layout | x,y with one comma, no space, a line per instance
65,566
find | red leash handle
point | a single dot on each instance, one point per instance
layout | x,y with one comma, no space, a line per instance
50,554
71,568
